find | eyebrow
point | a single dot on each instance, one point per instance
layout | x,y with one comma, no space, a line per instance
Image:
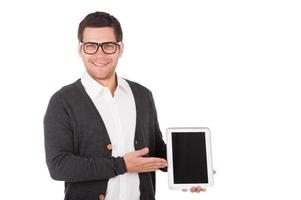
100,42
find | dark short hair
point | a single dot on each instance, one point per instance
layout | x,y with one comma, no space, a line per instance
100,19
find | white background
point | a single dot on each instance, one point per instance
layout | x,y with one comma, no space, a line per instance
230,65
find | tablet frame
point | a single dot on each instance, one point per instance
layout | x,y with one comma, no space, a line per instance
205,130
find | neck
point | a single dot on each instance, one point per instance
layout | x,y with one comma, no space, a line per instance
110,83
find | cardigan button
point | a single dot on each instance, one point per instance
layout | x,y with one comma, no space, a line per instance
109,147
101,197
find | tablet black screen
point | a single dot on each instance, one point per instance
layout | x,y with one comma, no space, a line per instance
189,157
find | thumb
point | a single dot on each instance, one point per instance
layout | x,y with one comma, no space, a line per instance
142,152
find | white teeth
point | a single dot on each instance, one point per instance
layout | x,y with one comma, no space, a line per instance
99,64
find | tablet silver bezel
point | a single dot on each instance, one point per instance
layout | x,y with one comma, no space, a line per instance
169,132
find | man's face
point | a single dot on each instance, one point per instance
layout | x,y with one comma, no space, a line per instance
100,66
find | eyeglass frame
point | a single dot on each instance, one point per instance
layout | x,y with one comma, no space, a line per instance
100,44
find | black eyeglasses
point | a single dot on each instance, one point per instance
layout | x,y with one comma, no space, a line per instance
107,47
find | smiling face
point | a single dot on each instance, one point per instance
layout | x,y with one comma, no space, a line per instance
100,66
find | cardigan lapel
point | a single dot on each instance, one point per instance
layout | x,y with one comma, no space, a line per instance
139,142
94,109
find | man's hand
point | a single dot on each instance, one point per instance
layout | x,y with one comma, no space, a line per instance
198,189
135,162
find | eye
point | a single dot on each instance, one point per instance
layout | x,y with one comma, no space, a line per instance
90,46
110,46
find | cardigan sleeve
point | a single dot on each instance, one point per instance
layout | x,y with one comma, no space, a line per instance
160,150
62,163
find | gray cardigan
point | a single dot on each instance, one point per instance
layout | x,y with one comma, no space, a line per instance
77,143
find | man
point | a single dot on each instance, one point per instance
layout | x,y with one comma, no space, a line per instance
102,135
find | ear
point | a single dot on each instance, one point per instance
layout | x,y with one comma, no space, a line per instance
79,50
121,48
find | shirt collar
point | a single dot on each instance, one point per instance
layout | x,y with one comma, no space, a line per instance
93,88
123,84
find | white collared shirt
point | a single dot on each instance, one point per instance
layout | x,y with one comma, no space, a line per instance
119,115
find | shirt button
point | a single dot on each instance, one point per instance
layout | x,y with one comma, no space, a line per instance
101,197
109,147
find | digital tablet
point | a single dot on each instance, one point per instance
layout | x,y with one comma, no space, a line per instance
189,157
